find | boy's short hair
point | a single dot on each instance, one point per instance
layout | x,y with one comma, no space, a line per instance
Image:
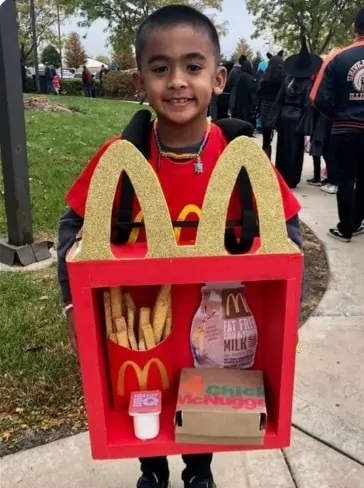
359,22
174,15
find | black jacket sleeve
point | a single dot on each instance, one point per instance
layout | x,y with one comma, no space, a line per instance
69,225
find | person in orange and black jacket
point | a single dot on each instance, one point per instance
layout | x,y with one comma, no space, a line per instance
338,93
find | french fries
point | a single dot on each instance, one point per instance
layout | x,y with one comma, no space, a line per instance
149,339
160,312
138,330
108,314
116,297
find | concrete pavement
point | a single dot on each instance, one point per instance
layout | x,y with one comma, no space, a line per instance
327,448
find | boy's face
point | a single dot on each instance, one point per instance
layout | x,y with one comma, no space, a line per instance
178,73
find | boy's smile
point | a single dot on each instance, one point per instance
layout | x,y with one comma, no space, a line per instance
178,75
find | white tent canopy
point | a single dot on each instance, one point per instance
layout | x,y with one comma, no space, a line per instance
93,63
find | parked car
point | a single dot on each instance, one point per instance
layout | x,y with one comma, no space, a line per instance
66,73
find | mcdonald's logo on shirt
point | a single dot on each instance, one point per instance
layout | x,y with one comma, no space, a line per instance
142,375
189,209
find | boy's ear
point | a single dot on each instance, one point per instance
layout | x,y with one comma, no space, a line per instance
220,80
139,83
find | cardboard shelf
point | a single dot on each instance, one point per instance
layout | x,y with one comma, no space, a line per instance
121,442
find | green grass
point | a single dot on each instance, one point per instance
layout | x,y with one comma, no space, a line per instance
59,145
39,381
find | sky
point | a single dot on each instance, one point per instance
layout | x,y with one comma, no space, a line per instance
234,11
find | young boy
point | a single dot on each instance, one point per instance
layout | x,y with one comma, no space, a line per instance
178,55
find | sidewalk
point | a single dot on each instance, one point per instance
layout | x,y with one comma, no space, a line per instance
329,400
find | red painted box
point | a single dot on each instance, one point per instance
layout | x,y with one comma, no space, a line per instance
272,274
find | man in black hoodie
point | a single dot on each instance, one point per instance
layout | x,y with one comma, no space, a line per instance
233,80
338,93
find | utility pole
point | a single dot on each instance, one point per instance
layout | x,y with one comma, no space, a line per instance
33,23
20,247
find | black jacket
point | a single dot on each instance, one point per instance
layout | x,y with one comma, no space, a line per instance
266,95
338,92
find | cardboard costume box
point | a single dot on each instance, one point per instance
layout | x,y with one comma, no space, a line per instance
271,272
220,406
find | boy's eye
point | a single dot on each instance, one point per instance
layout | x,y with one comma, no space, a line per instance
159,69
194,68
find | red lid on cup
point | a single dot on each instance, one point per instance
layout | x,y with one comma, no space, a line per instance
145,402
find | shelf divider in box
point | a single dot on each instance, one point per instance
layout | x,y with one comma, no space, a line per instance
206,270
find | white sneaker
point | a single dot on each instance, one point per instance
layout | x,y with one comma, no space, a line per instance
331,189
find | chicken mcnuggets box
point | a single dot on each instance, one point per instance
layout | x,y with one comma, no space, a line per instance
220,406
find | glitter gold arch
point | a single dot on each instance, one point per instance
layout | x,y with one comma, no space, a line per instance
123,156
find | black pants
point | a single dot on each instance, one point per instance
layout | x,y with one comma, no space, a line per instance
316,167
267,141
349,156
196,465
330,157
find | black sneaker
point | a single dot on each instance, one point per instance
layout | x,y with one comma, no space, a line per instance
313,182
197,482
336,234
360,230
324,182
151,482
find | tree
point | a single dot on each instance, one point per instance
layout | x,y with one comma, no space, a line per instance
46,17
122,49
124,60
242,47
103,59
326,23
75,54
51,56
128,15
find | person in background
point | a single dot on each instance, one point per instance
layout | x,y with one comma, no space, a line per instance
93,86
291,111
267,92
87,82
233,80
262,67
102,74
244,94
56,82
24,79
49,78
320,147
338,94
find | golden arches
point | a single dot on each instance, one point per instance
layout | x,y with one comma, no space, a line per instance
123,156
142,374
243,151
185,212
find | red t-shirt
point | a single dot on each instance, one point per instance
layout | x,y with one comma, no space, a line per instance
184,191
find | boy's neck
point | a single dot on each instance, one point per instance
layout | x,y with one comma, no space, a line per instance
176,135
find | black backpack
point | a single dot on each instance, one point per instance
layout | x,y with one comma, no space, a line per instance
138,133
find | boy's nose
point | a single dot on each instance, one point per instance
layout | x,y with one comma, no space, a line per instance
177,81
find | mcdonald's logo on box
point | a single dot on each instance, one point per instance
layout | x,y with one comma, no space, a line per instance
142,375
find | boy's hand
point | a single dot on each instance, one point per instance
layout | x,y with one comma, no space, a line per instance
71,329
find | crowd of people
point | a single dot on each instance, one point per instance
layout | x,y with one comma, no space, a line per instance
53,81
314,106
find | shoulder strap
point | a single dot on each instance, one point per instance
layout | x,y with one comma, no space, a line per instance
233,128
138,133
